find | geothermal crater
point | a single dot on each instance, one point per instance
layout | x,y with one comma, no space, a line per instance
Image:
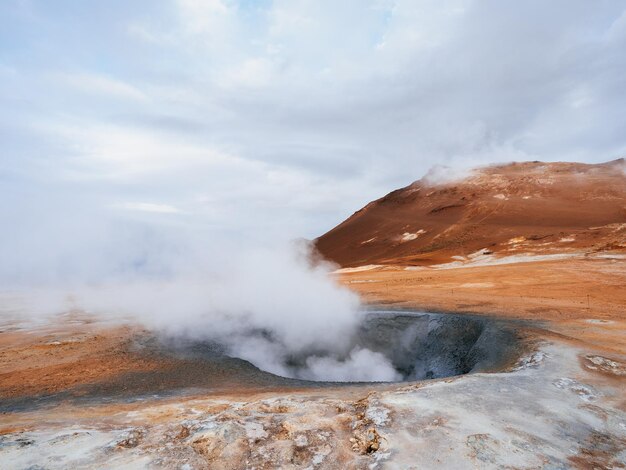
388,346
429,345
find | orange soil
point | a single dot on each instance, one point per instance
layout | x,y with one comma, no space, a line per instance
566,294
49,361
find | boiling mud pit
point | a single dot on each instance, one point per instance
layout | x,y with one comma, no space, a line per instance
385,347
388,346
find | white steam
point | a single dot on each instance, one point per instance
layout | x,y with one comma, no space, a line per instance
267,307
361,365
443,174
265,303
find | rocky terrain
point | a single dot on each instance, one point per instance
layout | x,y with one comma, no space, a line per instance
540,247
561,405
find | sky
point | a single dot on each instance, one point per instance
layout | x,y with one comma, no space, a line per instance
126,124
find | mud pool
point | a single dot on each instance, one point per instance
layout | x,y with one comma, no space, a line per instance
410,346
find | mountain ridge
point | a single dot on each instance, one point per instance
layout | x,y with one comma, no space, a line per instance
508,209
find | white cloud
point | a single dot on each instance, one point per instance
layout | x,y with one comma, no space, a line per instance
203,16
110,152
99,84
251,73
147,207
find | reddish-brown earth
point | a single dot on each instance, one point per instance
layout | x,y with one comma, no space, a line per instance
519,207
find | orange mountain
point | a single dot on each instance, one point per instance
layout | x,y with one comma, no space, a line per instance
531,207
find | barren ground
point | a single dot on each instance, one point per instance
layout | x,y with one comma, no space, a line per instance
583,299
563,405
543,246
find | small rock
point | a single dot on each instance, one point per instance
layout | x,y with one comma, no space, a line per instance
133,439
184,432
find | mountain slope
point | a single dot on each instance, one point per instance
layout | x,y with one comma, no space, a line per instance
531,207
